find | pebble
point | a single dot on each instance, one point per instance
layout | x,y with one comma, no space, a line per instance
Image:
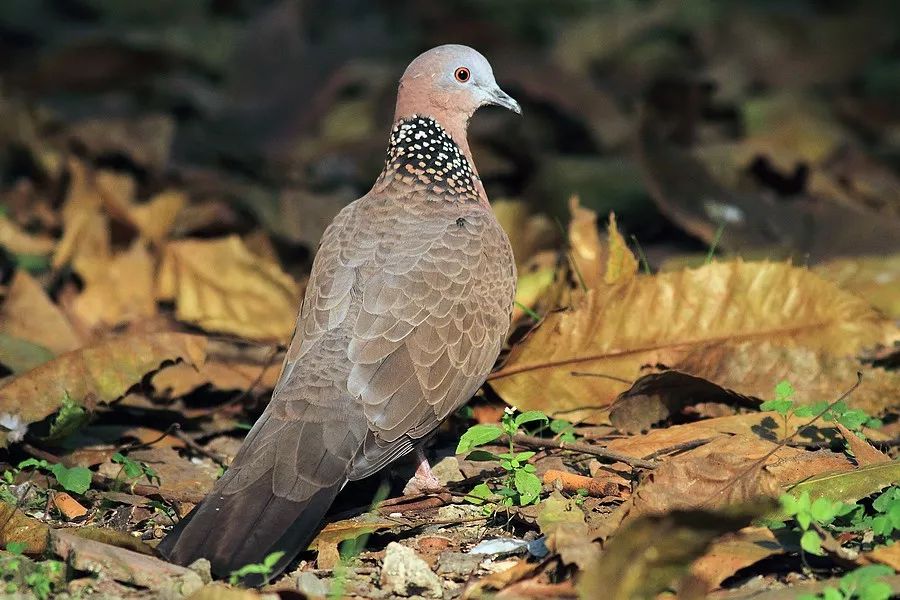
406,574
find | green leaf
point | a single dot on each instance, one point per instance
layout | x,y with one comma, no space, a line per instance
271,559
853,419
560,425
824,510
530,416
479,494
784,390
480,455
811,542
803,519
75,479
16,547
528,485
477,435
69,419
831,593
878,590
33,462
789,504
782,407
850,486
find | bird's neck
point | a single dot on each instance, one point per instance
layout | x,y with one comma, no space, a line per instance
426,155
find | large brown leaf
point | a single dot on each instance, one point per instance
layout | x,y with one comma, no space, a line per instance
221,286
753,368
91,375
616,330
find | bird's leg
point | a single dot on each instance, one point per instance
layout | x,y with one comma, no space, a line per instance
424,481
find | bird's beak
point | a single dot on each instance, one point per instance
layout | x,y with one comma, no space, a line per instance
500,98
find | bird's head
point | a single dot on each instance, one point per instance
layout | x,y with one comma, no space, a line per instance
449,83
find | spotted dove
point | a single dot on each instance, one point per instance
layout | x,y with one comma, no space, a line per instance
405,312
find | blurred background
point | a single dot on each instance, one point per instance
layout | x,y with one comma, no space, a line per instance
765,127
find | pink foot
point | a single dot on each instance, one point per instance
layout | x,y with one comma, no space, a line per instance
424,481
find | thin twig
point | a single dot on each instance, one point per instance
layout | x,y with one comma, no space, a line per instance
536,442
193,445
679,447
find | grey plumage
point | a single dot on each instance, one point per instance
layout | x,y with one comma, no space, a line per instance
405,312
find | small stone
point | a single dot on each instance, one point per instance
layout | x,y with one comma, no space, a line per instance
447,470
310,585
202,568
458,564
406,574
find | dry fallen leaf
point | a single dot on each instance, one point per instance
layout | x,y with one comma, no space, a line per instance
562,521
221,286
181,379
116,291
596,262
85,227
99,373
865,453
29,314
734,552
615,330
648,554
754,367
655,397
17,241
528,233
884,555
334,533
875,278
178,476
725,471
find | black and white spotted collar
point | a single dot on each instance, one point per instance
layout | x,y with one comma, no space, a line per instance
420,148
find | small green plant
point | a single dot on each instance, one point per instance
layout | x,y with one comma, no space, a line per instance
17,572
134,469
521,486
72,479
853,419
563,429
811,515
881,517
864,583
263,568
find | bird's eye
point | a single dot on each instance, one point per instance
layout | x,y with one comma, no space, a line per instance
462,74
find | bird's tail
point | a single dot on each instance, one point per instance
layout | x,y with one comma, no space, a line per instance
243,528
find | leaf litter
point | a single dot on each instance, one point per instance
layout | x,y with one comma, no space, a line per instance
154,260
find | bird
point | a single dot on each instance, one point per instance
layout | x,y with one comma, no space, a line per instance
404,315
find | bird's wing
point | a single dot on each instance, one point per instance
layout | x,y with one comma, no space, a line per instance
424,300
432,320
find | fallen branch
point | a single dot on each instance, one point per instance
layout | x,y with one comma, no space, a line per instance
536,442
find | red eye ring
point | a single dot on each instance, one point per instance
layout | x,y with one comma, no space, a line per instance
462,74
